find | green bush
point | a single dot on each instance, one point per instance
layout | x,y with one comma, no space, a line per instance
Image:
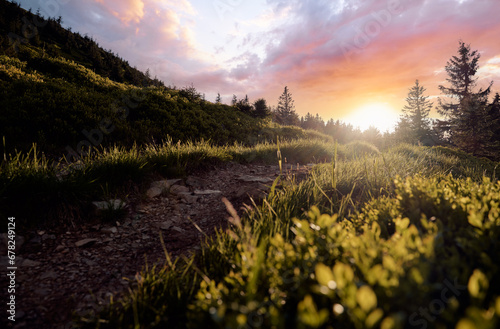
423,254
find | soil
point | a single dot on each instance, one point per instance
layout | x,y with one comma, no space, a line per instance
65,273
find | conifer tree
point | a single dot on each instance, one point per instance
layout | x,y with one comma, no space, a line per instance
285,113
416,111
466,121
261,109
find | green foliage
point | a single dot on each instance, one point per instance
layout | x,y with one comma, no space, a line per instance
85,109
371,252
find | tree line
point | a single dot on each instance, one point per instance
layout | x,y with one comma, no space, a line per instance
470,121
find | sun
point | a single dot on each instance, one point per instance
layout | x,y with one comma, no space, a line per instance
379,115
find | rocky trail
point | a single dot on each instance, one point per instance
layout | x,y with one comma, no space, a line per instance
76,271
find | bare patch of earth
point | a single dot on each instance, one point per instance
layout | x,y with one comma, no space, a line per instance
78,270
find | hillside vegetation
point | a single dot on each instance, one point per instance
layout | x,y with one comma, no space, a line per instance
66,108
403,238
65,93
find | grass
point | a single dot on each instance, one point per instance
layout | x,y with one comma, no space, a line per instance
362,243
41,192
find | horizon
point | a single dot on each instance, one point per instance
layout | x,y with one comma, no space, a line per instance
345,61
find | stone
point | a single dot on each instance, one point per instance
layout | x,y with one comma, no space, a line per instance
196,182
206,192
114,204
166,225
254,179
85,243
109,230
178,189
161,185
188,197
172,182
253,192
153,192
60,248
178,229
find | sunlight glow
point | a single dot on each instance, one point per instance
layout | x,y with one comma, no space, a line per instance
378,115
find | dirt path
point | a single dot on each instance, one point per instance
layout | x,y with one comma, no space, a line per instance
79,270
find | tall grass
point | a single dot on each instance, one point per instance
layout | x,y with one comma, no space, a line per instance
358,175
41,192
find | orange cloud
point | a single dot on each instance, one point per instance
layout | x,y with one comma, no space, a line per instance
126,11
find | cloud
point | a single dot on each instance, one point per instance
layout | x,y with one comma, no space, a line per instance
334,55
359,50
126,10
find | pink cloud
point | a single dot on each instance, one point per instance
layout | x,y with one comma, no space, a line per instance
126,10
333,59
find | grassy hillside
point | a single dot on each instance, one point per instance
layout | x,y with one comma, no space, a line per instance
22,31
395,239
64,108
63,92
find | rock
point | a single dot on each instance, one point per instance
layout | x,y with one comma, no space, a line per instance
85,243
206,192
161,185
158,187
166,225
178,229
154,192
109,230
48,237
114,204
172,182
189,197
254,179
196,182
178,189
60,248
253,192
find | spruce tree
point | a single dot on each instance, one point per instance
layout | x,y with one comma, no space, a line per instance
417,113
286,114
260,108
466,117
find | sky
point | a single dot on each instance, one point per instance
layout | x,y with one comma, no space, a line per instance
348,60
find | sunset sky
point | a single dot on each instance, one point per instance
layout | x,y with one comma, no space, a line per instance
352,60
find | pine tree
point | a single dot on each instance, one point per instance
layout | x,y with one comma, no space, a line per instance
286,114
218,99
417,113
466,120
260,108
234,100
